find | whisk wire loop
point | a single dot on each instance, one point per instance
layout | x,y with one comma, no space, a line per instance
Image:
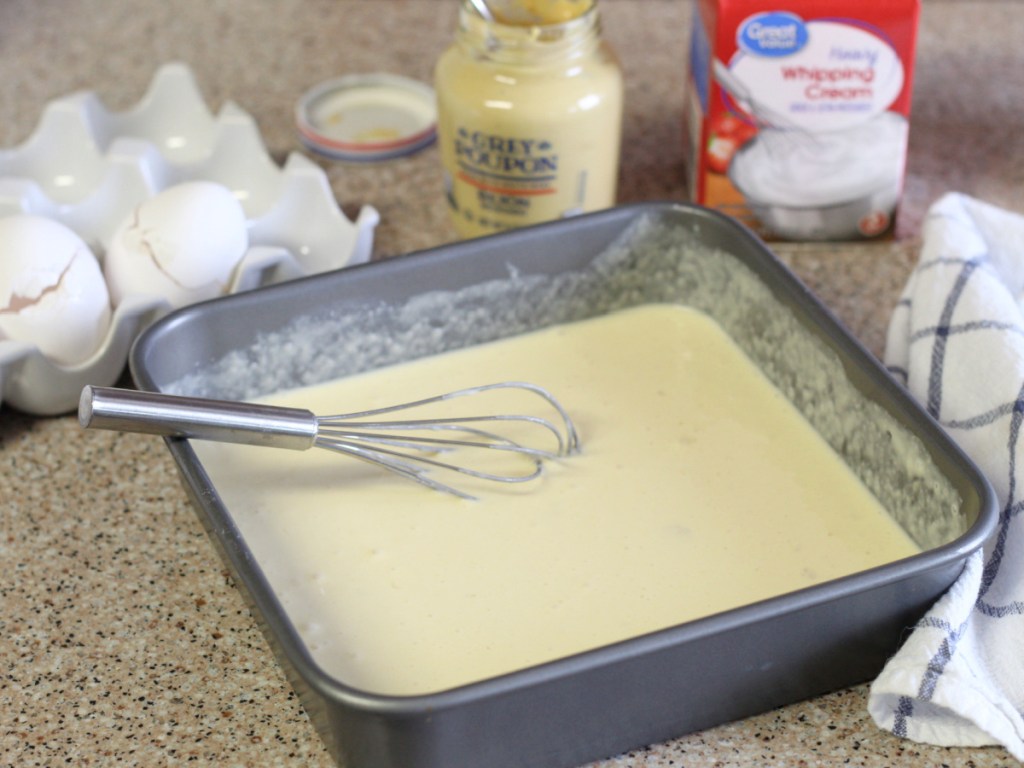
410,448
415,466
566,436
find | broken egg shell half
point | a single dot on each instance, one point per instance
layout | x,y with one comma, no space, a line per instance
52,291
184,245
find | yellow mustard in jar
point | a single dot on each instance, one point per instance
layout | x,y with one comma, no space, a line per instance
529,115
527,12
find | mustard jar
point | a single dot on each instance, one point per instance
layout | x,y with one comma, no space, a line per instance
529,115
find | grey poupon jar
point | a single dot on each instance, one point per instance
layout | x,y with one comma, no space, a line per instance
529,115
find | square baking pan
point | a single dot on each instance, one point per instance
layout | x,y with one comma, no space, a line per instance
646,689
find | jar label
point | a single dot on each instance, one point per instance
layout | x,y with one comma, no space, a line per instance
505,174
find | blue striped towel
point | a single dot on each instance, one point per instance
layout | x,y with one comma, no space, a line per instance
956,339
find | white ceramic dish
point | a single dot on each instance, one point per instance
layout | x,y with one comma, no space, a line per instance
89,167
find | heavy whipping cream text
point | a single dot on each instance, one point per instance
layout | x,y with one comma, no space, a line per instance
529,116
843,84
835,78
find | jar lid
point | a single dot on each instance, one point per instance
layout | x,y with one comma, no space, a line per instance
367,117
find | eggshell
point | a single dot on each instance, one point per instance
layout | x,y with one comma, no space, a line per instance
182,244
52,292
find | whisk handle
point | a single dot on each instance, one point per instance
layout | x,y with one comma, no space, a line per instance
220,420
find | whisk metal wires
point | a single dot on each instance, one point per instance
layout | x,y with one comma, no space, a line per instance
414,448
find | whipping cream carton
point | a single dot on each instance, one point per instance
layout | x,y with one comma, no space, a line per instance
797,113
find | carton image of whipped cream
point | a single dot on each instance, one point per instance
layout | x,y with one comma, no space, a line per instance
796,168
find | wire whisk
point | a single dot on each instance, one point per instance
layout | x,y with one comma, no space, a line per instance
414,448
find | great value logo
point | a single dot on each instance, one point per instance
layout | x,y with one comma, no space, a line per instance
773,34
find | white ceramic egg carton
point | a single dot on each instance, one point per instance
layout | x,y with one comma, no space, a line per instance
88,167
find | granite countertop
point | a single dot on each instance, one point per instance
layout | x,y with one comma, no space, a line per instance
122,637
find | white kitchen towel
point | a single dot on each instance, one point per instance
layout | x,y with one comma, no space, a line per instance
956,339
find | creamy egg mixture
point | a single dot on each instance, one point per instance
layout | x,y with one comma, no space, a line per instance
699,488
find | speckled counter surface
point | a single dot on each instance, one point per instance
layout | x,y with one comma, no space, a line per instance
122,640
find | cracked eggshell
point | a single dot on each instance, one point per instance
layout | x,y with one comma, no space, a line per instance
52,292
183,245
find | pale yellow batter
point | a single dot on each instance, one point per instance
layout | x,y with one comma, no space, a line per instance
699,489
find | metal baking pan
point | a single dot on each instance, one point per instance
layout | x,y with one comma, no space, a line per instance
651,688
